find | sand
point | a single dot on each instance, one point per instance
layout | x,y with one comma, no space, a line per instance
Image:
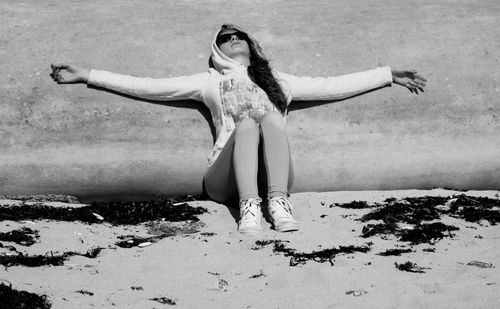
218,267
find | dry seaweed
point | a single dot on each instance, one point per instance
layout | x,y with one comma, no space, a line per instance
43,260
23,236
394,252
381,228
427,233
410,267
45,198
164,300
261,274
114,212
352,205
208,234
321,256
416,210
14,299
480,264
475,209
408,210
259,244
85,292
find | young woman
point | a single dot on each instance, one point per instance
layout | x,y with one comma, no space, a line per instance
248,102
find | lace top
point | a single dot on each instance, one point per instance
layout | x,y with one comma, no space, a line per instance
242,98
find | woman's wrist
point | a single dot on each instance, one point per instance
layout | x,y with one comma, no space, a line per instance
84,75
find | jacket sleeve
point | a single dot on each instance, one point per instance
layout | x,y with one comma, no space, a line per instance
189,87
305,88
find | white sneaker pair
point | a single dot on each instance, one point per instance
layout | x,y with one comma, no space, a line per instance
280,211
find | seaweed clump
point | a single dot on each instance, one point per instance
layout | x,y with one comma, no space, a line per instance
14,299
352,205
413,212
172,209
410,267
164,300
23,236
43,260
475,209
394,252
45,198
321,256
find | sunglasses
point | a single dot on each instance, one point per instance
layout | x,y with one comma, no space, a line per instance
223,38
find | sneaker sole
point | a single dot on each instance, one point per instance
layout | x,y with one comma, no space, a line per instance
287,226
250,231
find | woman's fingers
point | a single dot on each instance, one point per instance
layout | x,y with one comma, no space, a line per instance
416,85
59,66
420,77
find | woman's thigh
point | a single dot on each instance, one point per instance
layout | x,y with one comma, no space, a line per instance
219,180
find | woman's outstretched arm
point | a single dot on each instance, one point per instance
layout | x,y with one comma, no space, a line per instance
189,87
304,88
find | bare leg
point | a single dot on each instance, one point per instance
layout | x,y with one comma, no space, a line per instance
276,154
234,174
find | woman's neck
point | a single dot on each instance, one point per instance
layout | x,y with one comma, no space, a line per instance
242,59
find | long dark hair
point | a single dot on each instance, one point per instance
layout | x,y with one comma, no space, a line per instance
260,71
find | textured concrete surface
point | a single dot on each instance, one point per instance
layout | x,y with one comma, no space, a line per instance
89,143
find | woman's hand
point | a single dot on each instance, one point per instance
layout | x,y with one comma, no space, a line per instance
69,74
409,79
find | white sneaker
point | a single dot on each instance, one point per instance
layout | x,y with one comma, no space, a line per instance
280,211
250,216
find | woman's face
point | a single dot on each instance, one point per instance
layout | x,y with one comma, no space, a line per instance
233,43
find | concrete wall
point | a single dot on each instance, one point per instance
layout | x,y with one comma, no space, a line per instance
95,144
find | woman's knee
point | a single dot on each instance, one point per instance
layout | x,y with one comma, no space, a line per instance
272,119
247,126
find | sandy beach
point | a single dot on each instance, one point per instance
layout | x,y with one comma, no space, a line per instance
208,264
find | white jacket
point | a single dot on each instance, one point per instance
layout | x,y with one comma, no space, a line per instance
205,87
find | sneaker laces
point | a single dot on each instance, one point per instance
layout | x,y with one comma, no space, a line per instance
283,207
249,209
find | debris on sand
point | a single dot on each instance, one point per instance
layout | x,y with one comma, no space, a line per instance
376,229
161,229
410,267
208,234
167,228
85,292
21,299
408,210
114,212
45,198
480,264
321,256
223,285
415,211
394,252
475,209
42,260
352,205
356,292
427,233
23,236
164,300
129,241
261,274
259,244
